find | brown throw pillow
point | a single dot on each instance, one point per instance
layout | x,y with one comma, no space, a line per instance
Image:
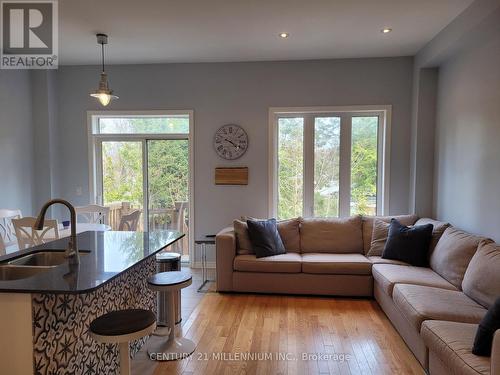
437,232
379,237
243,243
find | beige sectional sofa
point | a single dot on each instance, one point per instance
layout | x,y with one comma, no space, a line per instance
436,310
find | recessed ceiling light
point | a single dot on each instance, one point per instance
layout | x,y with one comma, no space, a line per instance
284,35
386,30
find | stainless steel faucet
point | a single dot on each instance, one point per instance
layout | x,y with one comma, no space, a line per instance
72,250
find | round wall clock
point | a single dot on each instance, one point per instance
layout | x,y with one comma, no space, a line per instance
230,141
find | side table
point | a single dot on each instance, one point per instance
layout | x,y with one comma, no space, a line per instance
203,242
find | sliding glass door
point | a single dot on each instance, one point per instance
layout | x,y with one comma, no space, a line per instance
168,187
143,168
122,180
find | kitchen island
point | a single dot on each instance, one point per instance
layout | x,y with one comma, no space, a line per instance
45,311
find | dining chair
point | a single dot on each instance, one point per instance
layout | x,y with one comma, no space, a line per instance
94,214
27,236
7,232
130,221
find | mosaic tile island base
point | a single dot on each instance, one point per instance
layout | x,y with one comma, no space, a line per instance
45,318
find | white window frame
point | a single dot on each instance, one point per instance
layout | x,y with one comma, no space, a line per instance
346,113
95,164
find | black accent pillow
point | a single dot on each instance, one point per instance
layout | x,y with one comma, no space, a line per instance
265,238
486,330
408,244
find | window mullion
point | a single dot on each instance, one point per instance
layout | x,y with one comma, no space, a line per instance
345,166
145,185
308,200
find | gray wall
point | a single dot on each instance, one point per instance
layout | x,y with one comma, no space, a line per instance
46,134
462,34
16,141
242,93
467,160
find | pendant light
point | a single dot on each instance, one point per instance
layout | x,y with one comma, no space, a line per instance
103,93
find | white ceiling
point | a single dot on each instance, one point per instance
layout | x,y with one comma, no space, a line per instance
153,31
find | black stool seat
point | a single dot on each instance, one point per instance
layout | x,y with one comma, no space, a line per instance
170,278
122,322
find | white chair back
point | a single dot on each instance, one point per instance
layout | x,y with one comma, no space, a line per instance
7,232
2,247
27,236
94,213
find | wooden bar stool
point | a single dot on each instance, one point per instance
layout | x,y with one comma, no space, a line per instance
121,327
174,347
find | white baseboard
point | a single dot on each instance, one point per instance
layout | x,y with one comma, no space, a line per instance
210,265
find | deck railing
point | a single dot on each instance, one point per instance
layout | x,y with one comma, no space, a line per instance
159,218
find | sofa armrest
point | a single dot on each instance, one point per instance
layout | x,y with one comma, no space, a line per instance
495,353
225,247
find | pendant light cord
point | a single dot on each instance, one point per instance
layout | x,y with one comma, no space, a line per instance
102,48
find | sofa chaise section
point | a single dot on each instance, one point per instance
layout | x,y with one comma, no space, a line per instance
450,349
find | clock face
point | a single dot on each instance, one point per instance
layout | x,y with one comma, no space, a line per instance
230,141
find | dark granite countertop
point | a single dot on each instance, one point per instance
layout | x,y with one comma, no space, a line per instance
108,254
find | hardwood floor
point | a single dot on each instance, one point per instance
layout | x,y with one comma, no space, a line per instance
227,327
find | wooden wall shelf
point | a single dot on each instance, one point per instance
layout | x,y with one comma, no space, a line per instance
231,176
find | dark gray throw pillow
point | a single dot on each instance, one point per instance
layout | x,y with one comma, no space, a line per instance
266,240
408,244
486,330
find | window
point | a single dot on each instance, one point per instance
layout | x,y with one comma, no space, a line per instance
329,162
166,124
143,161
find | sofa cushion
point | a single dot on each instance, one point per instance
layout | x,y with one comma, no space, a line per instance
380,260
438,228
451,343
288,230
331,235
283,263
388,275
453,253
368,226
482,278
336,264
418,303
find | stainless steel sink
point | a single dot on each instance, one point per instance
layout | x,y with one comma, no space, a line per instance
43,259
9,272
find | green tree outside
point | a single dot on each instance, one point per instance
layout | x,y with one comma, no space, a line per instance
168,163
326,166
